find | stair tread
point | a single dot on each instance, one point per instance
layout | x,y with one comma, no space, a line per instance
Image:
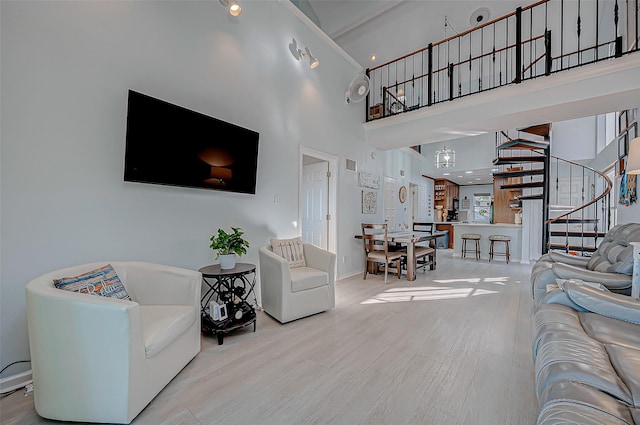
531,197
517,159
519,173
573,234
539,129
523,144
522,185
572,247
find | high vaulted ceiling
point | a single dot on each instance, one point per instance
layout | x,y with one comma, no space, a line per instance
389,29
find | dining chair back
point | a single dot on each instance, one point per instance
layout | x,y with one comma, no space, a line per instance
375,243
419,226
425,251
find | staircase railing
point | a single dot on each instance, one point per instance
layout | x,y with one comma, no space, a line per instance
537,40
565,226
592,218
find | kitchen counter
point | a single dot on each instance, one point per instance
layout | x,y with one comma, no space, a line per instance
514,231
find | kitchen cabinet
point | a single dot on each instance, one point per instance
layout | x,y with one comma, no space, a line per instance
444,193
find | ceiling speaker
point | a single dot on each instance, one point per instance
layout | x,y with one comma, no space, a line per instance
480,16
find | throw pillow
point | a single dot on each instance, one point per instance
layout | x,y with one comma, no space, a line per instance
291,250
103,282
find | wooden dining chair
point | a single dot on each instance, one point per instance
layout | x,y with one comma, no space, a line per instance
375,242
426,252
419,226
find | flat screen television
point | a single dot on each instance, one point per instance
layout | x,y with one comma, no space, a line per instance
170,145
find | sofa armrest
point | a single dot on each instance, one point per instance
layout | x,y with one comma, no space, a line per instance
616,306
573,260
96,341
155,284
318,258
274,271
615,281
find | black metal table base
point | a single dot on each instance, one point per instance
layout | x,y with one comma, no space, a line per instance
231,287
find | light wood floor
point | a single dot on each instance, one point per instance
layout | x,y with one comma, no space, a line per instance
453,347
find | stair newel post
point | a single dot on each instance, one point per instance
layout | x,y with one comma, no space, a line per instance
450,73
518,46
547,52
384,101
367,103
429,73
618,44
545,201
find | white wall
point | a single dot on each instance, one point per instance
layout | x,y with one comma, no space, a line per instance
468,191
66,69
574,139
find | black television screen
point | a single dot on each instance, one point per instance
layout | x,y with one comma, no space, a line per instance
170,145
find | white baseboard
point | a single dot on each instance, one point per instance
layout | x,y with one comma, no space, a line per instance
15,382
347,275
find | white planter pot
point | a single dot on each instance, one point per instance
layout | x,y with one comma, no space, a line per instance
227,261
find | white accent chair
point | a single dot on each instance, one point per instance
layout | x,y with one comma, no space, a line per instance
292,293
99,359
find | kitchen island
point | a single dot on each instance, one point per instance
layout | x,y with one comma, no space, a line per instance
514,231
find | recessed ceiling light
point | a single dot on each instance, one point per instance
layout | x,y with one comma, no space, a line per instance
494,169
468,172
460,176
373,58
478,178
446,174
470,182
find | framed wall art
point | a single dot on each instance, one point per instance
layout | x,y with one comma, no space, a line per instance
369,202
622,145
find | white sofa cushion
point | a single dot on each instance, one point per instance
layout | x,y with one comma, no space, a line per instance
291,250
304,278
162,324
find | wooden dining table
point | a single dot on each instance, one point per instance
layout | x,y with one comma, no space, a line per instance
410,239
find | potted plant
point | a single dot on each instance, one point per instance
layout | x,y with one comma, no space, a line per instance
228,245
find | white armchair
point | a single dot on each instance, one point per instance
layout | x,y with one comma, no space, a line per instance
291,293
99,359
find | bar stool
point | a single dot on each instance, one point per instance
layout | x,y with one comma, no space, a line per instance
470,237
499,238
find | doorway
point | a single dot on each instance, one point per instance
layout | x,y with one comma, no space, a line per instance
317,198
389,203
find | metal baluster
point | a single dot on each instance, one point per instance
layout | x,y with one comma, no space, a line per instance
561,34
579,29
616,10
597,28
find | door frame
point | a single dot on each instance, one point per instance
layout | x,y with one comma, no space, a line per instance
332,195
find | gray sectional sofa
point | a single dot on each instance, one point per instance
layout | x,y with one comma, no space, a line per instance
586,342
610,265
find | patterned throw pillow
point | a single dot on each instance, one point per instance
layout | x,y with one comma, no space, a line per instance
290,250
103,282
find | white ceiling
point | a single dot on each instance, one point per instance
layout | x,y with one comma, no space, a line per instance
392,28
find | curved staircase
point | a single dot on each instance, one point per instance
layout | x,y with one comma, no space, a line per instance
574,218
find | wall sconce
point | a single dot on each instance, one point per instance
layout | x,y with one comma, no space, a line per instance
300,54
234,8
633,160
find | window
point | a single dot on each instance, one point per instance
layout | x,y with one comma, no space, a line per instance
482,207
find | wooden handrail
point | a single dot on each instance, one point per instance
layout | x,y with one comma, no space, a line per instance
462,34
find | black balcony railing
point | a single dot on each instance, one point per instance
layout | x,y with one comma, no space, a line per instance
533,41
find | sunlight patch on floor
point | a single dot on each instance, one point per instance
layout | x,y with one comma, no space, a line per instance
425,293
495,280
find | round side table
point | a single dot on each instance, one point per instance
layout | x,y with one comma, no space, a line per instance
230,289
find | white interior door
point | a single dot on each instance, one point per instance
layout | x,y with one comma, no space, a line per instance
390,197
315,204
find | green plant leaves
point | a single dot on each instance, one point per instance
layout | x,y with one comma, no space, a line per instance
229,243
